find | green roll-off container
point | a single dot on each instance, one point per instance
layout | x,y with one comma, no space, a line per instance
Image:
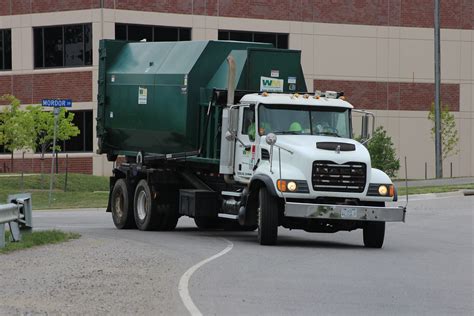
154,97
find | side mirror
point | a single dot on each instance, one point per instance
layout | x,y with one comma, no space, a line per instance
271,139
365,128
367,131
229,136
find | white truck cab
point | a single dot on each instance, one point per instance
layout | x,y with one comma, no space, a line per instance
303,169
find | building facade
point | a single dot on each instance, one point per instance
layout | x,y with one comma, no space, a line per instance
379,52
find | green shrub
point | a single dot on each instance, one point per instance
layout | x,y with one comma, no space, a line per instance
382,152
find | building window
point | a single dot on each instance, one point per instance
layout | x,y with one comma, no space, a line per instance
279,40
83,141
3,150
6,49
63,46
138,32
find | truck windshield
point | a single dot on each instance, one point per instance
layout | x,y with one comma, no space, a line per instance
303,120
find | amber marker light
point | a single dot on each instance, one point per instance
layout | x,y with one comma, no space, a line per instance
391,190
281,184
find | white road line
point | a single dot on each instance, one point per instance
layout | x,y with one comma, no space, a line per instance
184,281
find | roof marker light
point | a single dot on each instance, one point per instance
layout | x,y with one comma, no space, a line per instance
331,94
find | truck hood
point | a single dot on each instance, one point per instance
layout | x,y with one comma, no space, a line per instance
305,147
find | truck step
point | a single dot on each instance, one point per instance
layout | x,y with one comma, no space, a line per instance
231,193
228,216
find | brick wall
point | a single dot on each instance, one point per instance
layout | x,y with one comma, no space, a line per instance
30,89
8,7
33,165
391,95
457,14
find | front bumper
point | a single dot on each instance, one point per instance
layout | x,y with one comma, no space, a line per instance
345,212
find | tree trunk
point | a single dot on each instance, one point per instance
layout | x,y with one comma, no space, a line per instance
42,167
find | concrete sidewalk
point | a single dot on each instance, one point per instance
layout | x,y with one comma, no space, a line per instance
435,182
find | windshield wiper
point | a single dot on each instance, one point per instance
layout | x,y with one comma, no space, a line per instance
287,132
329,134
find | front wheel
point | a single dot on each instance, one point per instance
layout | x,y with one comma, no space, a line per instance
267,218
374,233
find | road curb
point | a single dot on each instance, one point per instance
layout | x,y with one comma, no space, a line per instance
99,209
434,195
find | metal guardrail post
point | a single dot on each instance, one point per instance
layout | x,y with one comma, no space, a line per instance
17,213
26,212
8,213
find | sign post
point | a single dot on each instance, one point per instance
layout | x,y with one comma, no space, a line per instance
57,104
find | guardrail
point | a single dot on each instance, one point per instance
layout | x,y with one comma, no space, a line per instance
17,214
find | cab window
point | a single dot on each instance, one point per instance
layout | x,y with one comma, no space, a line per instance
248,123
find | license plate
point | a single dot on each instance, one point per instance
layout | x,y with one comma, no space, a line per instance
349,212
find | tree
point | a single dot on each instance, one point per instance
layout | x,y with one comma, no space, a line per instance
17,130
449,132
44,127
382,152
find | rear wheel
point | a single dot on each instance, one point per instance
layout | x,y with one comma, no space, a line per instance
267,218
144,207
374,233
121,206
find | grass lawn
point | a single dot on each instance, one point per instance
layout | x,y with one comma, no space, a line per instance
33,239
436,189
83,191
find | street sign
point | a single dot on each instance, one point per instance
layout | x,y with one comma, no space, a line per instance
66,103
56,104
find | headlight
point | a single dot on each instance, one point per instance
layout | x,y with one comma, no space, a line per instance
383,190
378,189
293,186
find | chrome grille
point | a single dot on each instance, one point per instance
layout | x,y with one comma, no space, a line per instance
332,177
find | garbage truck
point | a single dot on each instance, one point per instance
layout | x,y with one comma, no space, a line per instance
227,133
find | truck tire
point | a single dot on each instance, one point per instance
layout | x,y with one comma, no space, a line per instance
145,208
374,233
206,223
267,218
121,206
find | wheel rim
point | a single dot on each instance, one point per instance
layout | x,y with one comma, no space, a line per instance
119,206
142,205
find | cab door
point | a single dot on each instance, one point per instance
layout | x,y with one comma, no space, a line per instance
245,155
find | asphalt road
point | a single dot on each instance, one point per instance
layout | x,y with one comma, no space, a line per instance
425,267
